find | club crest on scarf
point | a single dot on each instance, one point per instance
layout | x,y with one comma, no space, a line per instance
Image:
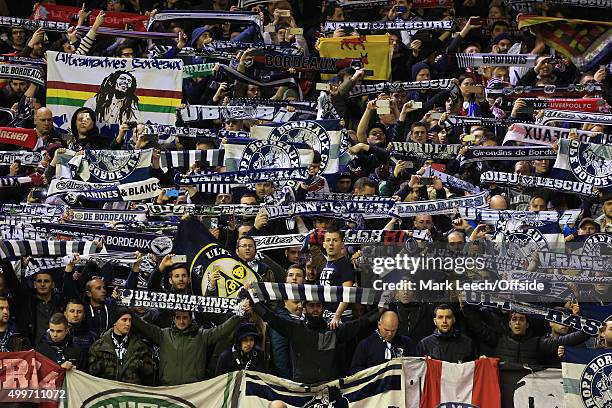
328,397
598,245
596,382
233,273
238,112
260,155
591,163
112,165
307,132
524,243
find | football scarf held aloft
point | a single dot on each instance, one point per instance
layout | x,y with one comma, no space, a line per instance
32,209
35,179
19,137
390,87
588,163
198,70
23,157
319,196
113,240
548,277
351,237
492,216
453,182
243,177
33,25
495,60
119,90
239,76
436,207
457,121
65,14
529,133
61,186
108,166
340,208
276,61
505,153
198,113
205,257
586,43
424,150
16,249
265,291
23,73
223,16
446,25
186,158
167,133
241,210
223,50
135,191
569,91
177,301
324,136
564,104
106,216
576,117
513,179
588,326
376,48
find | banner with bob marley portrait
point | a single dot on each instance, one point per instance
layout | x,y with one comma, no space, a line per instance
205,257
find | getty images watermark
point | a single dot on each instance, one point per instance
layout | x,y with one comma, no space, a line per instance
459,265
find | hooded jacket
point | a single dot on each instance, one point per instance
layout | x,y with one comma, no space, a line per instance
183,353
233,359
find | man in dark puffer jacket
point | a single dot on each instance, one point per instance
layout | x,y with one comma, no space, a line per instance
121,355
519,345
446,343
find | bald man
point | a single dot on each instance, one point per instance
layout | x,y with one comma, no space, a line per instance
498,202
382,345
43,124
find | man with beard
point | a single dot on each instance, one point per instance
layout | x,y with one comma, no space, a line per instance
82,337
446,343
10,338
116,101
313,346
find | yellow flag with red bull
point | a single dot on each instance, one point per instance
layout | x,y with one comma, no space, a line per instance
373,51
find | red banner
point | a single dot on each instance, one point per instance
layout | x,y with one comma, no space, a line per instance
18,136
28,376
67,14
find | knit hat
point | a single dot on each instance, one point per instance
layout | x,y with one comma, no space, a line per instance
417,67
119,312
502,36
